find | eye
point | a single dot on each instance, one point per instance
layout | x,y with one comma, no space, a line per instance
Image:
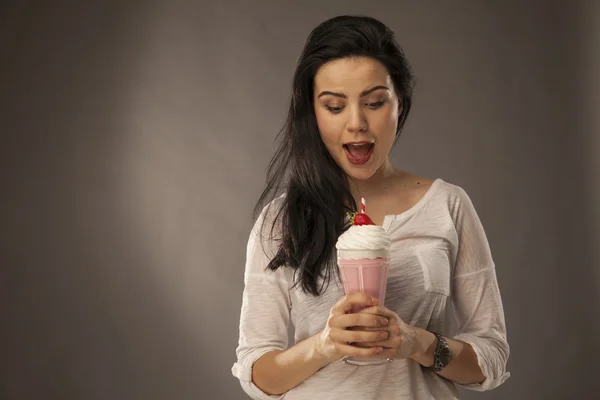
335,110
376,105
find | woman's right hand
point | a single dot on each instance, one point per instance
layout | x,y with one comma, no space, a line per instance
334,342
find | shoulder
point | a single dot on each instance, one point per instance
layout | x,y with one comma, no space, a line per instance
451,192
453,198
417,186
437,190
266,233
420,185
270,211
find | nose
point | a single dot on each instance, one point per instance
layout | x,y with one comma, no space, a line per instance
357,121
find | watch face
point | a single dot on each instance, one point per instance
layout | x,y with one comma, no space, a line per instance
445,355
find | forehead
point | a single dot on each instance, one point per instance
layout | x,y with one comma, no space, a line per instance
352,75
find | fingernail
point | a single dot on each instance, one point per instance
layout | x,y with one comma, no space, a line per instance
379,349
384,321
374,300
384,335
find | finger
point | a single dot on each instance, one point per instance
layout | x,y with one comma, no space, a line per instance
353,351
393,329
370,328
385,344
344,321
354,299
346,336
391,342
379,310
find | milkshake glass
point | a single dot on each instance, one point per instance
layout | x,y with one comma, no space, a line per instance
363,259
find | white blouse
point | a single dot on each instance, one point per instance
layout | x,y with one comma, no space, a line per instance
441,278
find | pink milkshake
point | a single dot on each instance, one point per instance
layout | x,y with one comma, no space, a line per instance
363,255
364,274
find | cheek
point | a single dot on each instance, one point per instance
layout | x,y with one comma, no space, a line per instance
386,128
330,132
392,116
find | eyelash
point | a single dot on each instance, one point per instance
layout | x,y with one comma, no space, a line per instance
373,106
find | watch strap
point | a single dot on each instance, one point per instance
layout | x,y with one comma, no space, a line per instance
441,354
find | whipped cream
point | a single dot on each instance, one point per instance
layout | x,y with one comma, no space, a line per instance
364,238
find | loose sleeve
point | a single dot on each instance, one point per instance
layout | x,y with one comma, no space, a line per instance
265,312
476,297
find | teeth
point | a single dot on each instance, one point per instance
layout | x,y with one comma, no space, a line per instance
359,144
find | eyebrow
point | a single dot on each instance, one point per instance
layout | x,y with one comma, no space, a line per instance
363,94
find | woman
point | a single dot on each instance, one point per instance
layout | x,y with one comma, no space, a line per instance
351,97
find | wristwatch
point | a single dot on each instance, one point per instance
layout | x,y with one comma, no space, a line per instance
441,355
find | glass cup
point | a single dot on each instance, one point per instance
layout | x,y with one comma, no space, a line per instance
364,271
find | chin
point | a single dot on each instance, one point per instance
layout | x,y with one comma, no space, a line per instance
359,173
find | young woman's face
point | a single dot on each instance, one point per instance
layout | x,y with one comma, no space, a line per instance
357,113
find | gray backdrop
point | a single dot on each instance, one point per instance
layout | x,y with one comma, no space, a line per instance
134,141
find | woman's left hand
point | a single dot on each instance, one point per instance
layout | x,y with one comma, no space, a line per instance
402,338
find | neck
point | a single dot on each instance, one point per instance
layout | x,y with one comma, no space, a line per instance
374,185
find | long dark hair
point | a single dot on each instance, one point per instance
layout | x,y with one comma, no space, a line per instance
310,216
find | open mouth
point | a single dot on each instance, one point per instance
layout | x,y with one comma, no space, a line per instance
359,152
